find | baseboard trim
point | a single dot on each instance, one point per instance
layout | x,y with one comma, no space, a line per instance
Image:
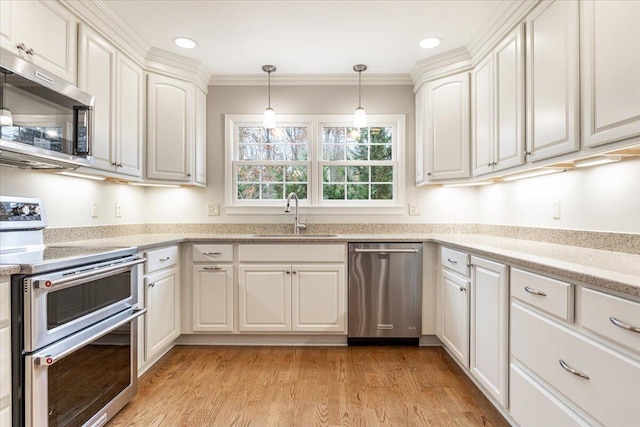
263,340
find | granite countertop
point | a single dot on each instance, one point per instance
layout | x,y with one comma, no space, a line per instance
616,271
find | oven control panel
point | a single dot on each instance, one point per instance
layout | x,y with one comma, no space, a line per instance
17,213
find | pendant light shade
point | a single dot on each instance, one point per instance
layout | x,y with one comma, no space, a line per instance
360,116
269,118
6,119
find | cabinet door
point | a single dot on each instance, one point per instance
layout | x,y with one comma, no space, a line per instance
5,352
447,130
97,69
489,329
318,298
200,153
170,116
455,315
552,80
129,111
162,323
264,298
483,118
509,96
212,298
610,71
49,29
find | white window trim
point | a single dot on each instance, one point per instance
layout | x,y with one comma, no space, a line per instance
315,206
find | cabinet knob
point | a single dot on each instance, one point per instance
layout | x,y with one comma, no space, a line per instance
30,52
428,173
462,289
189,175
295,272
21,46
151,285
489,164
288,272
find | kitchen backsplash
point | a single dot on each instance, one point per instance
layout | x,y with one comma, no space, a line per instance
619,242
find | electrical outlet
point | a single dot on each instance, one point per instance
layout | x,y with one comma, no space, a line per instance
95,209
118,210
415,209
556,209
213,209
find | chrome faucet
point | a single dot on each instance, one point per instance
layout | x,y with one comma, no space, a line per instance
296,225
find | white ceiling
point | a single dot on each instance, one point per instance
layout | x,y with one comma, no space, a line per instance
306,36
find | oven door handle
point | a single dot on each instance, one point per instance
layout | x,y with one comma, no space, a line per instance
95,274
52,354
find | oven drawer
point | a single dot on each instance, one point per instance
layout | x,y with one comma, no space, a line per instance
602,381
161,258
212,253
456,261
552,296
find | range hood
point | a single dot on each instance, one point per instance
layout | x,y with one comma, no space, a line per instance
51,126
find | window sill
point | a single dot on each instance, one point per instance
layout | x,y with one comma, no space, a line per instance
318,210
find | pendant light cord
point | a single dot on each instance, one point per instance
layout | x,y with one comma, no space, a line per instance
359,89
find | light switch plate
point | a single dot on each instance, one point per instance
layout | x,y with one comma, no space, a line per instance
415,209
556,209
95,209
118,210
213,209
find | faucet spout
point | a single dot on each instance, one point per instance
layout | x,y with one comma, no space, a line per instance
296,225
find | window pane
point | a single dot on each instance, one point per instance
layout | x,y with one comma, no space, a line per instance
248,174
358,174
296,152
381,191
333,152
248,191
380,135
355,135
358,152
272,174
381,152
333,173
249,152
358,192
333,192
296,174
247,135
273,191
301,135
381,173
273,152
333,135
299,189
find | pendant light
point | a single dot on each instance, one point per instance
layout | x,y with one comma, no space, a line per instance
360,117
269,119
6,119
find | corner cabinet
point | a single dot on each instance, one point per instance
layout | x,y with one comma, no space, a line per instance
442,129
610,59
42,32
176,131
553,109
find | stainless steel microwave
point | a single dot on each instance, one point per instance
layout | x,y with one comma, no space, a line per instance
46,121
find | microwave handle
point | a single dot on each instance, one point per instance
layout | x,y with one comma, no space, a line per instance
72,279
83,338
77,110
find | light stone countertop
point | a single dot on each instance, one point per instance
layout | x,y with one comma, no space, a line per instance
615,271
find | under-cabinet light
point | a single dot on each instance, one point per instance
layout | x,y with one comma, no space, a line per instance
594,161
531,174
148,184
468,184
81,175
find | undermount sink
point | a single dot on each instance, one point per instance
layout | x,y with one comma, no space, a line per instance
303,235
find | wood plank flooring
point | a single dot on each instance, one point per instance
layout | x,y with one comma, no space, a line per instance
307,386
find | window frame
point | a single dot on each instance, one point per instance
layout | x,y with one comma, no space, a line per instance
314,203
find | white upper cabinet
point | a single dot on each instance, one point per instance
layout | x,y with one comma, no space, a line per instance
420,141
446,127
497,107
170,128
117,85
610,48
43,32
553,113
200,158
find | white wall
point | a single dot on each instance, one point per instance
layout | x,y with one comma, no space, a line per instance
601,198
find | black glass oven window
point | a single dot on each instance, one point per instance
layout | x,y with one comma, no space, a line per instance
81,384
71,303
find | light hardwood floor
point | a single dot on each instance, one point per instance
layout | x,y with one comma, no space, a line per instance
307,386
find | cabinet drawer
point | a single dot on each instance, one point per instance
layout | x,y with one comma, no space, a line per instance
291,253
553,296
614,318
532,405
456,261
208,253
541,345
161,258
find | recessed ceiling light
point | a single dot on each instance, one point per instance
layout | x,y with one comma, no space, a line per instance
430,42
185,42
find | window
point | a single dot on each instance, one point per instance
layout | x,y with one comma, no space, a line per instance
323,159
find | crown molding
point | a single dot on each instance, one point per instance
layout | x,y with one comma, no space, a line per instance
310,80
174,65
442,65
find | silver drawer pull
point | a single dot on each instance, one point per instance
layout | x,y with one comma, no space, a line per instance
623,325
573,371
164,259
452,261
212,268
211,253
535,291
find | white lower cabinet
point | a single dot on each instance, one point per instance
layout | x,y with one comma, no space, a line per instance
455,315
5,352
212,298
265,298
489,327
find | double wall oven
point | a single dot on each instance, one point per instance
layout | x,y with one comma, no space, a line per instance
74,311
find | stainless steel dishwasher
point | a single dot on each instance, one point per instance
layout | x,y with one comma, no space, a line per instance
385,293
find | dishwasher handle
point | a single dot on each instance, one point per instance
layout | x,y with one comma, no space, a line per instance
386,251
